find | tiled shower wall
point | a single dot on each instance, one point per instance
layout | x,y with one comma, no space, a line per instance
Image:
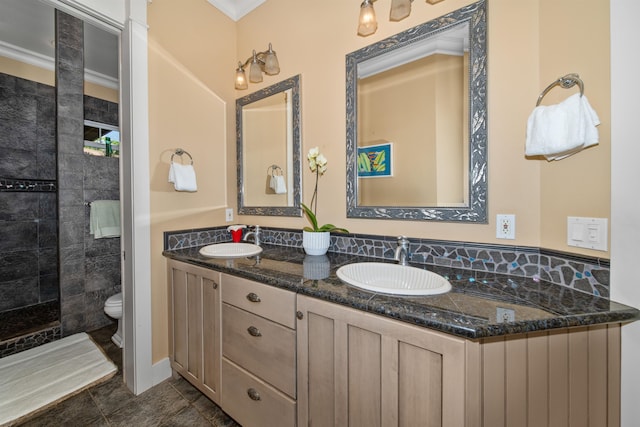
28,234
69,91
30,290
89,268
29,297
102,256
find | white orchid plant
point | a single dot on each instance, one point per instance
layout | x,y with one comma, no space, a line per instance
318,165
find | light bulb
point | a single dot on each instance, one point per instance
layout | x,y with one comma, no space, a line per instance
400,9
255,72
271,65
367,24
241,78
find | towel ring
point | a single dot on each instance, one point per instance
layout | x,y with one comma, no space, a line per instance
180,152
565,82
273,170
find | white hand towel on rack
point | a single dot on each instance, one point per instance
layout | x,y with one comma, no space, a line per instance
558,131
272,183
183,177
280,187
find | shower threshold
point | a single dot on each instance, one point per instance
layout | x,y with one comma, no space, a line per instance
28,327
26,320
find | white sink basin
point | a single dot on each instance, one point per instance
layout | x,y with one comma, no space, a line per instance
230,250
393,279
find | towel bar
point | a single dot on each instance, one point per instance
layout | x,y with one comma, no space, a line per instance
180,152
565,82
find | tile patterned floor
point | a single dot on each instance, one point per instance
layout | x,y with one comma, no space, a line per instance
170,403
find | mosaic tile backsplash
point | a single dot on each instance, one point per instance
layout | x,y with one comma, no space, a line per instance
582,273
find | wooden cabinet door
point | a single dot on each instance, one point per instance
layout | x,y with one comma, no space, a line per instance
194,326
358,369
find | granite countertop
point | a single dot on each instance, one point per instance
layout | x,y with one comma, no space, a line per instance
469,310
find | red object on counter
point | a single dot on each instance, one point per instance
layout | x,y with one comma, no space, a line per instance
236,235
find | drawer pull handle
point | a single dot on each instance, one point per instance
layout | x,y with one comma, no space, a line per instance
253,394
254,332
253,297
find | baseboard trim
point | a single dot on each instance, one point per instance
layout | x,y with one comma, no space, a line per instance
161,371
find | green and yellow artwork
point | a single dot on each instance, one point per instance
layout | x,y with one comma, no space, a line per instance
374,161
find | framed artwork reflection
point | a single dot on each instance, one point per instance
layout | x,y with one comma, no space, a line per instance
375,161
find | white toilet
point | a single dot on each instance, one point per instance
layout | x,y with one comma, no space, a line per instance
113,308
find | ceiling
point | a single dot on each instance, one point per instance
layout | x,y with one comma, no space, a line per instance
236,9
27,35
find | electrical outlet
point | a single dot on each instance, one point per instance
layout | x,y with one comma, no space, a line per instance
505,315
505,226
228,213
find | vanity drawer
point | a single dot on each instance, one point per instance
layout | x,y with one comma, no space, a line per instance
264,348
252,402
275,304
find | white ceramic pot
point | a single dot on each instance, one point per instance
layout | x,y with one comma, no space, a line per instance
315,243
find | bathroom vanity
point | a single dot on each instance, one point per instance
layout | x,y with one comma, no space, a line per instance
273,342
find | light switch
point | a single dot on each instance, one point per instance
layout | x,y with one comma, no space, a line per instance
590,233
578,232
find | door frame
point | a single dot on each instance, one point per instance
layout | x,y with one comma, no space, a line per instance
128,19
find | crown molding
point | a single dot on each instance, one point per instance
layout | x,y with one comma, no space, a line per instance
48,63
235,9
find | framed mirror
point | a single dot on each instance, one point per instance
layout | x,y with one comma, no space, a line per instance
417,122
269,150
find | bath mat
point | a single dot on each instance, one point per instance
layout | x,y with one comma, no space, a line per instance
36,378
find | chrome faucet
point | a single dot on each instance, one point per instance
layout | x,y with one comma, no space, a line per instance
402,251
255,233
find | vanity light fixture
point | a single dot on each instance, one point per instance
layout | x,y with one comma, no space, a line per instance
400,9
261,62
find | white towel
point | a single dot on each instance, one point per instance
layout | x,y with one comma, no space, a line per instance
183,177
558,131
277,184
280,186
104,218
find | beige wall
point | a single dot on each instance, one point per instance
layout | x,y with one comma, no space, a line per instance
579,185
531,43
194,50
191,106
26,71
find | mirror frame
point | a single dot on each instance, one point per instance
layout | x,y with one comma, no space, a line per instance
292,83
476,209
